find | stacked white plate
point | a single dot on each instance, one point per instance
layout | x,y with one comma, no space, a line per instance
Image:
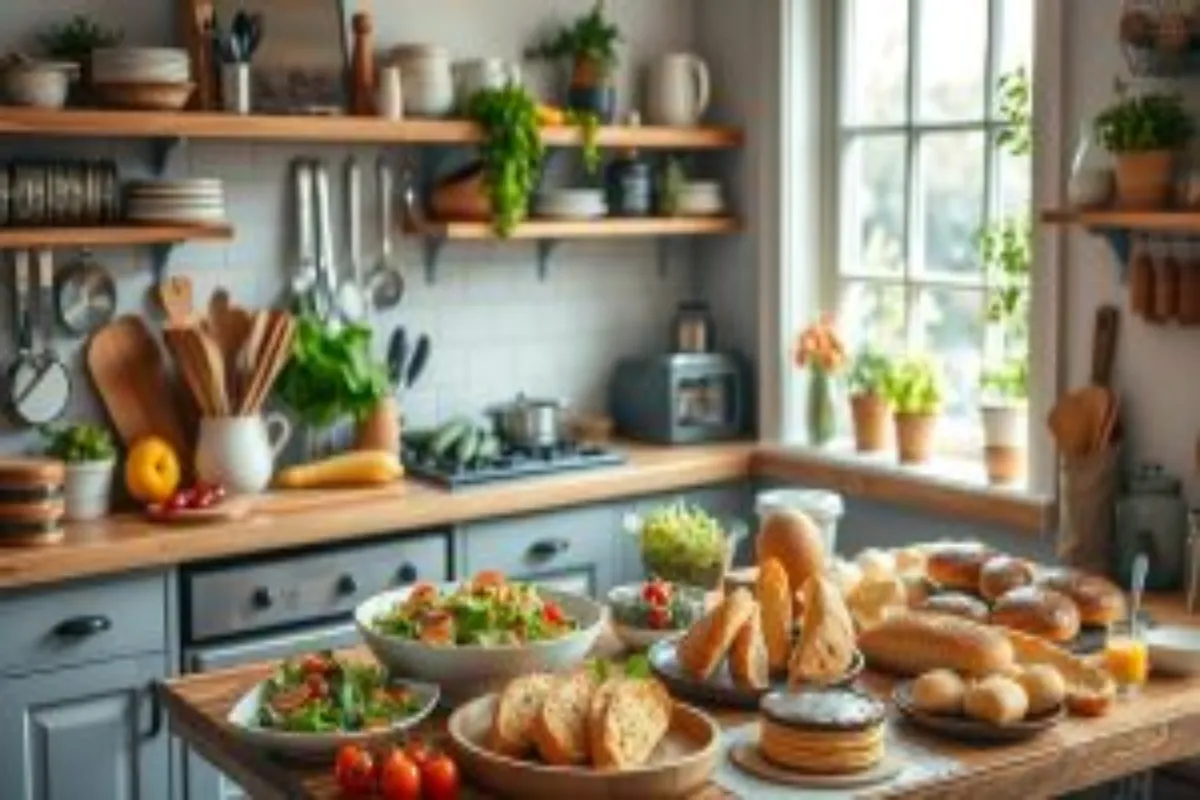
161,65
572,203
193,201
701,199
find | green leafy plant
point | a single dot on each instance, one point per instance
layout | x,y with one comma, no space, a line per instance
591,39
589,125
1144,122
331,373
869,372
672,181
75,39
1016,109
79,443
511,151
914,386
1007,381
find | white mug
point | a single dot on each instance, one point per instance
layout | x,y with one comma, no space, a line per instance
239,452
389,98
677,90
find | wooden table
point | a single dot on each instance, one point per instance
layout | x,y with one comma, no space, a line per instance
1159,726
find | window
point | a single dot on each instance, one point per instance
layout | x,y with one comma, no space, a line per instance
921,171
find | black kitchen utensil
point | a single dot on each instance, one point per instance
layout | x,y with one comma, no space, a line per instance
420,358
397,355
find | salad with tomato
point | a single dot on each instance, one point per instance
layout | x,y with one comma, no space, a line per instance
320,693
486,611
657,605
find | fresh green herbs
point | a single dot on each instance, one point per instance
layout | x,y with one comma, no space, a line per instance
914,386
75,39
636,666
512,151
1007,381
869,372
592,38
679,538
331,373
76,444
1144,123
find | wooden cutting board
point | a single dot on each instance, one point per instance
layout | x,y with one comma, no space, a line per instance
127,369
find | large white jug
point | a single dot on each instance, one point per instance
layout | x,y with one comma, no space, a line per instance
677,90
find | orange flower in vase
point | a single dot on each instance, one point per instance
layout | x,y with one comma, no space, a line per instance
819,349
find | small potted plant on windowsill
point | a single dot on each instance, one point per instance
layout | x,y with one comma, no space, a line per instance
1144,132
90,457
869,404
591,44
1005,411
914,387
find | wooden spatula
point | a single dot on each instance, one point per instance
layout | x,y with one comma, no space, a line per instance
175,296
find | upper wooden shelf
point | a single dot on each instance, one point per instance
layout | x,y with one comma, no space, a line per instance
190,125
109,236
603,228
1161,221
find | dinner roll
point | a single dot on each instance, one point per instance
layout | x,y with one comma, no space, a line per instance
793,538
998,700
957,565
1044,686
939,691
876,565
956,604
1099,601
1001,574
1042,612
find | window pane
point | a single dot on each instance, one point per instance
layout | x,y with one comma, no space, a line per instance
872,313
952,58
873,200
950,326
875,61
1014,182
1016,35
951,198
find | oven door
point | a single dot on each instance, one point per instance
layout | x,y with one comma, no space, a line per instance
202,780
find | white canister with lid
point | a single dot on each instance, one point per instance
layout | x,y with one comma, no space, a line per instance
823,507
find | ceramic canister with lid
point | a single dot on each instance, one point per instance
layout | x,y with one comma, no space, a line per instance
427,79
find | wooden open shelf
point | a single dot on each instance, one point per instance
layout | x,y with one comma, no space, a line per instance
1159,221
603,228
85,123
124,234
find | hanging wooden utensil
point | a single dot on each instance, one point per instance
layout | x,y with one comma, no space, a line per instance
175,297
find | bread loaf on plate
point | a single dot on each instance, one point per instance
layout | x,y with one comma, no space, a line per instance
910,643
520,703
560,728
636,715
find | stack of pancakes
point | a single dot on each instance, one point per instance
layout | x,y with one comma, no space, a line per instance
31,501
831,731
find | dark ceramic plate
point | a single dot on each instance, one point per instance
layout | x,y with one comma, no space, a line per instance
972,730
719,689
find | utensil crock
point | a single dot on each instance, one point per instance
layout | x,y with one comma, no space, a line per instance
239,452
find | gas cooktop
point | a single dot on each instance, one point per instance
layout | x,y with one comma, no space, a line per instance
511,464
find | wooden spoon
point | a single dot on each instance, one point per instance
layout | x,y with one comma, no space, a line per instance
175,296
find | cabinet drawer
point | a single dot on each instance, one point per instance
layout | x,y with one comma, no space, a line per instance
83,622
279,590
545,543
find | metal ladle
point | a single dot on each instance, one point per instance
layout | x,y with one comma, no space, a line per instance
385,284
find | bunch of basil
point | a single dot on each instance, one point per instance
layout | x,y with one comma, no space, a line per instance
331,374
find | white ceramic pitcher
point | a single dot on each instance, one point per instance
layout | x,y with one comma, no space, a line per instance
677,90
239,452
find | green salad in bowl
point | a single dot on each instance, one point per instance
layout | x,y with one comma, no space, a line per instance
685,544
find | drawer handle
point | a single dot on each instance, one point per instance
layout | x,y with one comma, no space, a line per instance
156,712
407,573
262,598
547,549
346,585
80,627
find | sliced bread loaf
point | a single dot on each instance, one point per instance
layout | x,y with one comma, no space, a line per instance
749,663
708,641
560,728
634,720
519,704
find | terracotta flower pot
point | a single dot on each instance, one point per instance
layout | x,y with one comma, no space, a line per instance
1004,464
871,415
1144,180
914,437
1004,434
381,429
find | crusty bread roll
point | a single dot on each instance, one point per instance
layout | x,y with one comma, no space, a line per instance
998,700
939,691
1098,599
1045,687
876,565
956,604
793,538
956,565
846,575
775,603
873,601
1090,689
749,665
917,589
1042,612
1001,574
911,642
910,561
826,647
708,641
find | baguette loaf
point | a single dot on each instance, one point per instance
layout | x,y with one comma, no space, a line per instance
560,728
910,643
708,641
775,600
633,720
519,705
748,662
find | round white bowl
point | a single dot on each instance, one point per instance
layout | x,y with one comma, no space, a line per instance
636,637
1174,649
39,85
466,672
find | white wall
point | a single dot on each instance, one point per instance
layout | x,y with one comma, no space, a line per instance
496,329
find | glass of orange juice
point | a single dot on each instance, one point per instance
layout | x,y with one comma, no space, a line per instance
1126,657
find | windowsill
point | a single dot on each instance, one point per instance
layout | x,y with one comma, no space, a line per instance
946,486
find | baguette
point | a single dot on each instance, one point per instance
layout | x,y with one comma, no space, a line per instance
560,729
519,705
1090,690
749,664
634,719
910,643
708,641
775,602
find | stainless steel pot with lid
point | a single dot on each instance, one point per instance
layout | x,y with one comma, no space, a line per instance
530,423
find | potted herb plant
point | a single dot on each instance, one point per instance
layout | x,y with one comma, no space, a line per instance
1005,419
1144,132
869,404
90,457
591,45
74,40
511,152
819,350
914,388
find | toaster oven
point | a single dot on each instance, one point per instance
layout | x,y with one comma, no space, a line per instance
680,398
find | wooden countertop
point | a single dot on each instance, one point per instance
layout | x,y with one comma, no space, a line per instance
1158,726
127,542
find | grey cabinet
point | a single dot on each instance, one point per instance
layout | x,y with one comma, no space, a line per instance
91,731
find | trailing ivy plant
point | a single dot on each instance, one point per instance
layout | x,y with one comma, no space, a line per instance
589,126
511,151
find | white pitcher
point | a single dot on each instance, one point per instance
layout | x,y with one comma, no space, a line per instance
677,90
239,452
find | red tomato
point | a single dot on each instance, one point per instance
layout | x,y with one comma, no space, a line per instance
317,686
355,771
314,664
176,502
657,593
203,497
439,778
399,777
658,617
553,614
417,751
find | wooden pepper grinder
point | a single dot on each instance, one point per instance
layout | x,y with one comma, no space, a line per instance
362,68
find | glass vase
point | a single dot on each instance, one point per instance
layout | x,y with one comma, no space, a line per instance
820,418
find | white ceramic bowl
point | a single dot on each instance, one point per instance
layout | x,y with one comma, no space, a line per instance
572,203
636,637
40,85
243,722
1174,649
466,672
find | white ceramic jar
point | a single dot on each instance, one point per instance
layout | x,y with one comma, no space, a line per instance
823,507
427,79
87,490
239,452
